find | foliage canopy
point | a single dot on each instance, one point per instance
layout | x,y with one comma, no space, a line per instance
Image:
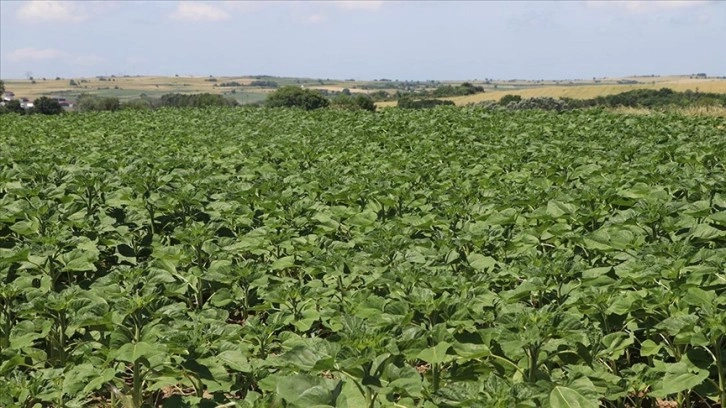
416,258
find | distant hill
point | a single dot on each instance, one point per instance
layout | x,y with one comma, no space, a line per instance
252,89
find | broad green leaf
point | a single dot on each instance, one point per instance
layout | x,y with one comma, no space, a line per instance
680,377
481,262
283,263
131,352
563,397
302,390
436,354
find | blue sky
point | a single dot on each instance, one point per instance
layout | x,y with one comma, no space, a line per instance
363,39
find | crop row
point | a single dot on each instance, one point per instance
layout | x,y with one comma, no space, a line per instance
452,257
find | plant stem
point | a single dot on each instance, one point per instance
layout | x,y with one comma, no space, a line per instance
436,370
720,369
137,397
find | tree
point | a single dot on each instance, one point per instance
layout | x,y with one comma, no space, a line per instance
354,102
195,100
72,83
14,106
509,98
293,96
2,87
406,102
87,103
47,106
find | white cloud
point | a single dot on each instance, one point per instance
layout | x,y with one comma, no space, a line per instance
46,11
315,19
366,5
88,60
198,11
35,54
237,5
640,6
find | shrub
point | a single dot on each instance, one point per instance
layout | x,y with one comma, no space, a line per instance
543,103
354,102
293,96
509,98
90,103
410,103
195,100
264,84
47,106
136,104
12,106
463,89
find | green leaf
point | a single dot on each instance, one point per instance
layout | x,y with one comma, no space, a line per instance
303,390
436,354
283,263
707,232
131,352
616,344
557,209
563,397
481,262
650,348
98,381
680,377
235,360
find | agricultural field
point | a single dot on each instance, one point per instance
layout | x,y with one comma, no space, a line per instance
132,87
452,257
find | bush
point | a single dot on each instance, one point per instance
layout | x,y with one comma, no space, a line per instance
295,97
47,106
379,95
461,90
14,106
264,84
90,103
137,104
509,98
195,100
354,102
409,103
543,103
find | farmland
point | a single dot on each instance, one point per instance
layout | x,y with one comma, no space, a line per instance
133,87
452,257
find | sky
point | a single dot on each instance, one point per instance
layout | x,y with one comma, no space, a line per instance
366,39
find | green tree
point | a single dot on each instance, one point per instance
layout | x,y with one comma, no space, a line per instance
354,102
406,102
293,96
87,103
509,98
195,100
14,106
2,87
47,106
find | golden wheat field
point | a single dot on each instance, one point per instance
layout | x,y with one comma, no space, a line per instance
592,91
